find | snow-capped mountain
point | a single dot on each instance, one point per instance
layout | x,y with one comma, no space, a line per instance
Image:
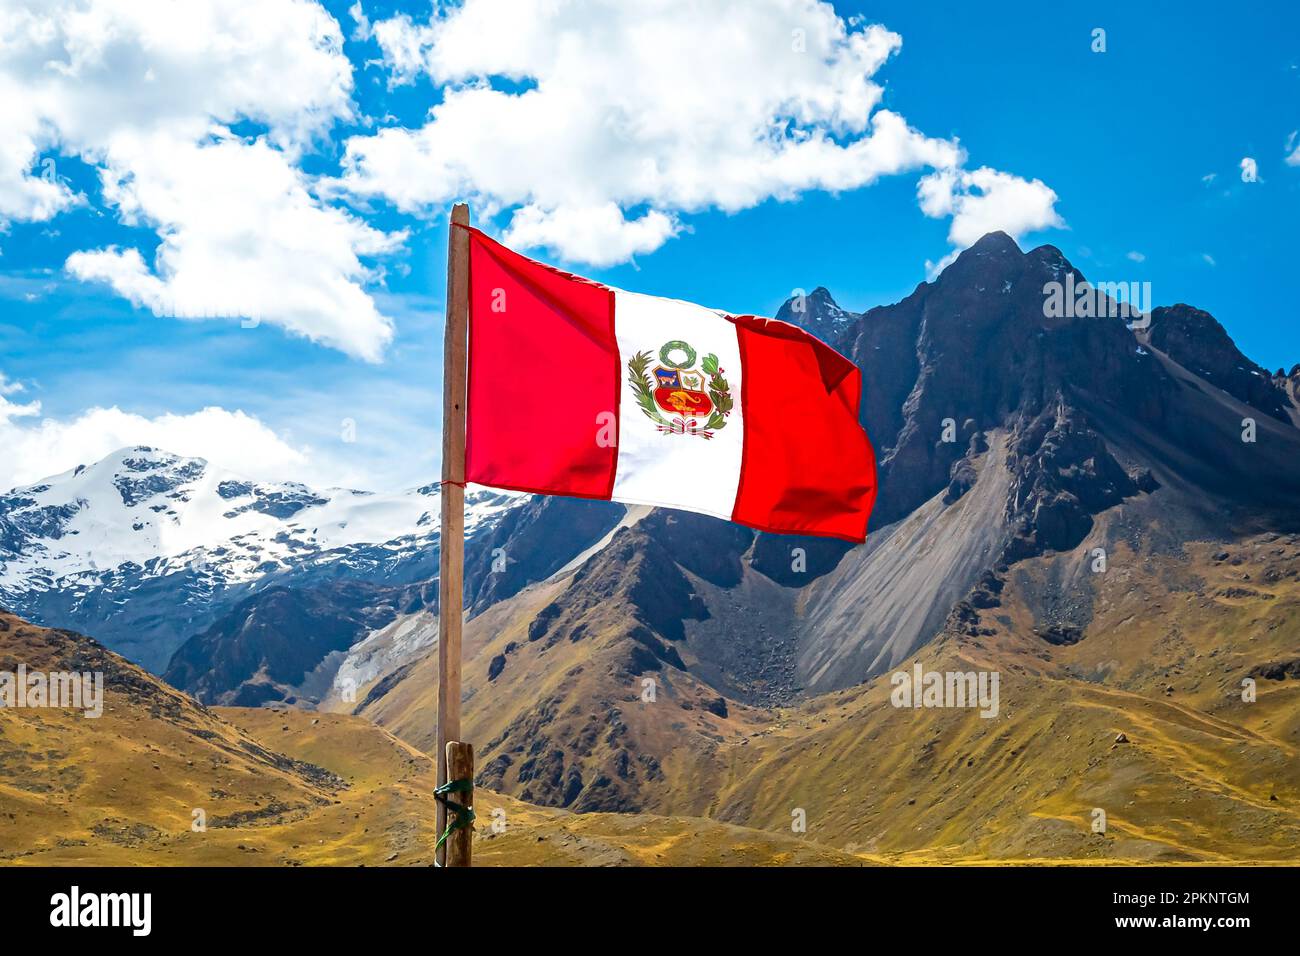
145,547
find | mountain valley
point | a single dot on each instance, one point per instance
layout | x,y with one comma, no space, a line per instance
1106,518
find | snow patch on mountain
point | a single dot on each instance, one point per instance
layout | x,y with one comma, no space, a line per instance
143,513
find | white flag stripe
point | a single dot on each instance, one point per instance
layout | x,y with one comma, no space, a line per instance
672,470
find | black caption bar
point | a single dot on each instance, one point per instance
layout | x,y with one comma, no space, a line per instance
141,907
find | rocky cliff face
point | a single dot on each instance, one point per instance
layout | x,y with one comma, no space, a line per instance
1288,383
1196,341
975,350
979,349
1063,475
818,313
269,645
532,542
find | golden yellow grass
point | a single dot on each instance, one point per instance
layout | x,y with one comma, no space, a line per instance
1204,777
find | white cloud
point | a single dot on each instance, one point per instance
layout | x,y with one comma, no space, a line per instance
660,109
986,200
600,235
1292,150
1208,259
596,124
93,68
37,448
241,237
1136,257
8,388
147,92
358,15
1249,169
23,195
982,201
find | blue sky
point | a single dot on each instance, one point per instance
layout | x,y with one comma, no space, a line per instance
1142,146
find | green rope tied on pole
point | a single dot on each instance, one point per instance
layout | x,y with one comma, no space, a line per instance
464,815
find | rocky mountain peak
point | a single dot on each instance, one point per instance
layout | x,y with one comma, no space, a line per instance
1197,341
818,314
1288,383
979,348
995,243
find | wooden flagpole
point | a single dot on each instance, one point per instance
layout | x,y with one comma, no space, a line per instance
452,753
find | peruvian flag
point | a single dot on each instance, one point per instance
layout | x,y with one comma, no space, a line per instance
575,388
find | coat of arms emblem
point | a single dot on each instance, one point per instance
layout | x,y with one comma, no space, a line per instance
675,387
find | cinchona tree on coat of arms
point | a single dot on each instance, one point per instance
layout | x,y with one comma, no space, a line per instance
680,389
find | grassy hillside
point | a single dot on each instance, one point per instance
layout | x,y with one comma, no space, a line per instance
567,720
1161,644
280,788
1157,654
1202,776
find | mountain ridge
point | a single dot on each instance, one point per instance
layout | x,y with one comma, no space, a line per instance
1062,502
152,526
1066,438
979,402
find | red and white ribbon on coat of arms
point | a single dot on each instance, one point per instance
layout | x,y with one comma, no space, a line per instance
679,427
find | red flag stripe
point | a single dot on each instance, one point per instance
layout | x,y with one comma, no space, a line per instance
543,374
807,465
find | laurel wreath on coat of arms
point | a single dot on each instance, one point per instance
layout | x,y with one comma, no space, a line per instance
678,357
